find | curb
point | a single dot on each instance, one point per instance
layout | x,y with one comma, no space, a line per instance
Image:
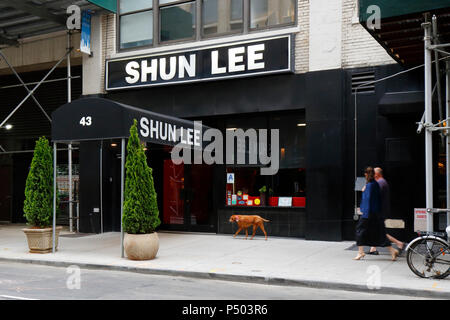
244,278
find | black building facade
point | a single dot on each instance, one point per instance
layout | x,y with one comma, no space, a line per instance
324,101
324,155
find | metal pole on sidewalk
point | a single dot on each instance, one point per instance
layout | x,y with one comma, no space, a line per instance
69,72
447,77
70,189
122,180
428,121
101,185
69,99
54,197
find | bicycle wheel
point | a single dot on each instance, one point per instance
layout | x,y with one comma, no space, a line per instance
429,258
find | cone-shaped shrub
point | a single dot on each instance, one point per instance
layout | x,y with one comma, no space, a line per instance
140,208
38,205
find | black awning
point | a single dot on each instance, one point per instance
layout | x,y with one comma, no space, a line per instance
99,119
401,32
396,103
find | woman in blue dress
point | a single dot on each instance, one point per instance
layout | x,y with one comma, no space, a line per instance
370,230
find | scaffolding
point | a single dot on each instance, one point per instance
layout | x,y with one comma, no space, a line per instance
432,46
433,49
30,94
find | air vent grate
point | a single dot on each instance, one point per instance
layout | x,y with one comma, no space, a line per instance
359,79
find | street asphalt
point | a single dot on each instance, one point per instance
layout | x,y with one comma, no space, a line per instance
277,261
20,281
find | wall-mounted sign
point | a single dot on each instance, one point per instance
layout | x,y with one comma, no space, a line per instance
420,219
231,60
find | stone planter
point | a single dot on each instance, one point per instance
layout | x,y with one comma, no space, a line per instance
141,246
41,240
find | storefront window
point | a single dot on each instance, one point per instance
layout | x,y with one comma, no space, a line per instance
177,21
268,13
136,29
222,16
127,6
140,24
245,186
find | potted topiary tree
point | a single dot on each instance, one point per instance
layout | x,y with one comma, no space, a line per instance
38,205
140,208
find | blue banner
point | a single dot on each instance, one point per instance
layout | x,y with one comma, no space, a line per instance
85,43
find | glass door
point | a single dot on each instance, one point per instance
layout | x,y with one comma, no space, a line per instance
199,198
188,197
173,194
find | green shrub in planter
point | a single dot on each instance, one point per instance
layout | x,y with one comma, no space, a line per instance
38,205
140,208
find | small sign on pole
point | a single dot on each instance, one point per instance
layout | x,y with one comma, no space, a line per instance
230,177
420,219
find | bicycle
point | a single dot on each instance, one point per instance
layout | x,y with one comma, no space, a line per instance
428,256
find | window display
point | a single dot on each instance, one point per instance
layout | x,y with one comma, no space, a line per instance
245,186
249,188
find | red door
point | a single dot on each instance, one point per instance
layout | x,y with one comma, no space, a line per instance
187,197
173,208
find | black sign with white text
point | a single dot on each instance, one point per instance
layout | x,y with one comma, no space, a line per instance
240,59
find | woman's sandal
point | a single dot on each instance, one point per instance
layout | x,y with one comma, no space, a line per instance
359,256
395,255
400,250
375,253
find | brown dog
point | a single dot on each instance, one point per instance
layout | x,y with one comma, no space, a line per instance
244,222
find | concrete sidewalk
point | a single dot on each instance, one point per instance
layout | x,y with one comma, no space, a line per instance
280,261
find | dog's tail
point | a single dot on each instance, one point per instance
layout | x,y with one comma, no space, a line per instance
265,220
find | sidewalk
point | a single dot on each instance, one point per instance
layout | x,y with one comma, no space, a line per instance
278,261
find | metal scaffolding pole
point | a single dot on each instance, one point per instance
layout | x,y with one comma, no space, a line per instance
101,185
122,182
69,73
447,78
30,93
428,123
70,190
69,99
54,197
437,67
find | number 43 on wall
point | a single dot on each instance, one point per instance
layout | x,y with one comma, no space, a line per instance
86,121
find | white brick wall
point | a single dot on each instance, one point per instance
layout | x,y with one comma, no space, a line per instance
108,41
359,48
302,38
